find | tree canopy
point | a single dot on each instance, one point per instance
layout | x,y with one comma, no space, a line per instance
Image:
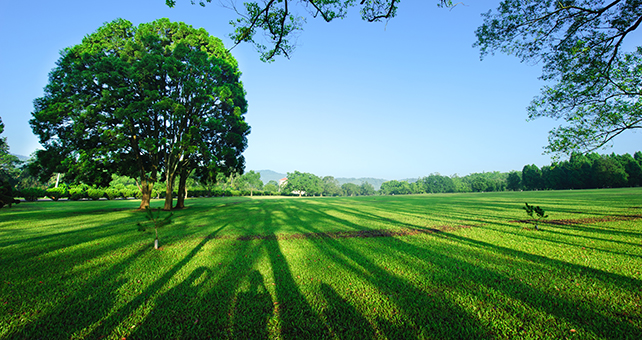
279,20
594,83
160,99
303,183
250,181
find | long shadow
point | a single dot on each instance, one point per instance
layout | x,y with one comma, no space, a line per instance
30,258
619,280
540,300
343,319
580,314
109,324
297,319
431,315
81,308
581,226
206,304
550,231
253,309
534,236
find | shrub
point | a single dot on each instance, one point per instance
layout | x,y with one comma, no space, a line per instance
77,193
111,193
95,193
56,193
32,194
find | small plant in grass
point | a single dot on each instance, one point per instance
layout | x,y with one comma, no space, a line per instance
537,210
156,221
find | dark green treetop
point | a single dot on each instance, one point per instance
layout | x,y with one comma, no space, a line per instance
146,101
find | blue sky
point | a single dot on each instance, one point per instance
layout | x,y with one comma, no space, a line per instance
391,100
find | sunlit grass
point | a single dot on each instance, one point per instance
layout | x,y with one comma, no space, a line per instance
82,270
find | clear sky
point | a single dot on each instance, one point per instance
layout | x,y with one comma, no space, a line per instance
391,100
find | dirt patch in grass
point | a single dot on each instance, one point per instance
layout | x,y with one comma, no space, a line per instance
345,234
584,220
354,234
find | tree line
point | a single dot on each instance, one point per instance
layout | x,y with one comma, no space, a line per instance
581,171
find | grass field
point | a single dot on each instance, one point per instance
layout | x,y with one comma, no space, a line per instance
451,266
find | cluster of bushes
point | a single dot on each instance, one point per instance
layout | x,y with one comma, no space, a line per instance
75,193
79,192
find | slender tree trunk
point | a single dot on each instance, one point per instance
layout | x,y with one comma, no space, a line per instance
169,192
182,189
146,192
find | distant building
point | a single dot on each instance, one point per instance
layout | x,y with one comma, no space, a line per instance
283,181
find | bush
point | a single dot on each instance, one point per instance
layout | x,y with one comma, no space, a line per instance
56,193
95,193
33,194
77,193
112,193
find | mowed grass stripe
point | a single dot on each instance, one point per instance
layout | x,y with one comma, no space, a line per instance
236,268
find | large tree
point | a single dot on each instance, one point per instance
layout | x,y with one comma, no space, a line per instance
280,20
594,79
303,183
250,181
160,99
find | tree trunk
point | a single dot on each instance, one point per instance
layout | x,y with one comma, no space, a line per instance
146,192
182,190
169,191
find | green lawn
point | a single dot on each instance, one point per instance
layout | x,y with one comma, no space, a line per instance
451,266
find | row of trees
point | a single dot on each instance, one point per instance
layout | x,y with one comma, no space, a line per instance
303,183
436,183
581,171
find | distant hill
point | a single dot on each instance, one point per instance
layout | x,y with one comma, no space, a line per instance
21,157
269,175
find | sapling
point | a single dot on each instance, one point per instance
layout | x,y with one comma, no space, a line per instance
157,221
530,209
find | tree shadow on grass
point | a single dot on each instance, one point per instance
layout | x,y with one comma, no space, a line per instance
91,310
343,320
297,318
207,303
113,319
430,315
557,305
252,310
80,309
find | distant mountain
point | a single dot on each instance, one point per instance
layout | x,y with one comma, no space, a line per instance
21,157
269,175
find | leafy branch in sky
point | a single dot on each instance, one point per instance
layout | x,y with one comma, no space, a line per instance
278,21
593,83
